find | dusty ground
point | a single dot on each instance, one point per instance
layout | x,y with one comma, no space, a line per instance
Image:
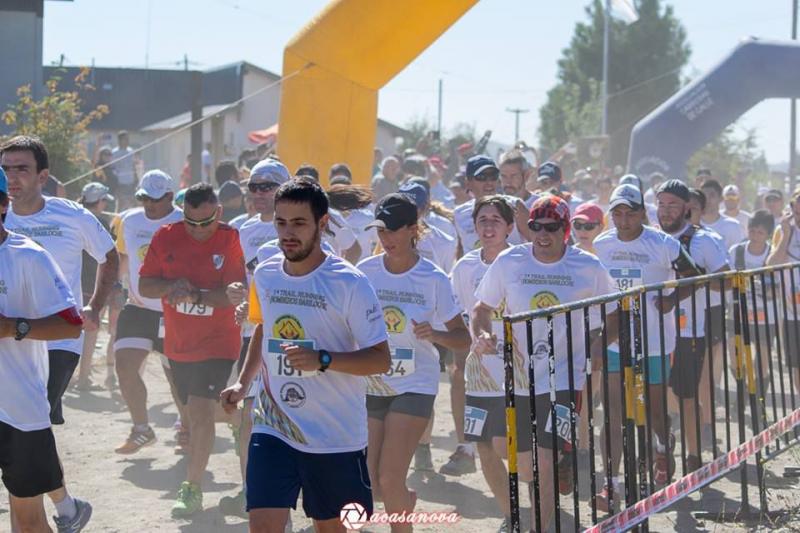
135,493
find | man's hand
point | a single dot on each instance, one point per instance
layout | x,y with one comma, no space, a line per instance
423,330
665,304
180,292
230,397
241,312
300,357
486,343
91,318
236,293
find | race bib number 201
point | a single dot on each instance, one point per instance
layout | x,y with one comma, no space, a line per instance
279,366
563,425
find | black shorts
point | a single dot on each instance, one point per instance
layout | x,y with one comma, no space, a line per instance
791,336
687,366
714,317
243,354
138,329
29,461
408,403
62,366
563,431
204,379
491,410
276,472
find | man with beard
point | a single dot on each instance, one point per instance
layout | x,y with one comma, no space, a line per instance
320,330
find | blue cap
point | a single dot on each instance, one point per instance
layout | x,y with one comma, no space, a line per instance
478,163
3,182
417,192
549,171
269,170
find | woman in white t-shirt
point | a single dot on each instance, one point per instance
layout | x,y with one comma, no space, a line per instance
415,296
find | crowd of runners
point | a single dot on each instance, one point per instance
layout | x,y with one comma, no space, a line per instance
316,322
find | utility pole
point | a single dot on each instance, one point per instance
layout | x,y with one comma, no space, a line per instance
185,61
604,87
439,116
517,111
793,116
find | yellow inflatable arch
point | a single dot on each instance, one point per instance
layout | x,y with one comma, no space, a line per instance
335,67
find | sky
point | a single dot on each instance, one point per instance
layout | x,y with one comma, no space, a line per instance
501,54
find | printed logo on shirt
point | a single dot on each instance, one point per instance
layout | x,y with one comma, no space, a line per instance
394,318
543,299
293,394
541,350
288,327
497,313
141,253
218,260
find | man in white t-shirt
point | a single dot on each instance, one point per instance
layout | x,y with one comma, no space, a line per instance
690,351
65,229
36,305
141,321
514,173
320,331
538,275
729,228
124,166
732,200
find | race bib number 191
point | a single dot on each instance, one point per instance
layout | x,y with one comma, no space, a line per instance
277,365
474,419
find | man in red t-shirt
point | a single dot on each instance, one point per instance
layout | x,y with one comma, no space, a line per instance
189,265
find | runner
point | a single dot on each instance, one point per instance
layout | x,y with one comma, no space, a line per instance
323,333
66,230
732,205
416,298
484,415
433,244
637,255
587,223
36,305
189,265
546,272
354,203
265,178
729,228
549,180
690,347
514,173
140,324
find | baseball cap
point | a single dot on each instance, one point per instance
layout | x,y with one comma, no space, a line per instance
94,192
229,190
478,163
730,191
394,211
3,182
180,197
626,194
549,171
703,172
417,192
773,193
340,179
675,187
631,179
155,184
269,170
590,212
551,206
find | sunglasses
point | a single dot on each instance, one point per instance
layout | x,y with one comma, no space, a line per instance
585,226
262,187
549,227
144,198
487,176
201,223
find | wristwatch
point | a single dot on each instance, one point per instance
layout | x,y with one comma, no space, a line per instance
324,360
22,328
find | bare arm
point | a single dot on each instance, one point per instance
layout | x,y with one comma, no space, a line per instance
49,328
107,276
365,362
231,396
456,337
353,254
780,253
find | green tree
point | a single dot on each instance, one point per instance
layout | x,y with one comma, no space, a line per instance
646,58
56,118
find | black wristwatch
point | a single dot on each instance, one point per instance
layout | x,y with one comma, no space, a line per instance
22,329
324,360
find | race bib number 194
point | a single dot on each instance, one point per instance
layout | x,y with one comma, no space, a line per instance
277,365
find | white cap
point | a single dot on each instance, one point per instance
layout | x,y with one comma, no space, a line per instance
730,190
94,192
269,170
155,184
626,194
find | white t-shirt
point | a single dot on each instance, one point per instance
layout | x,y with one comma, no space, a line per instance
343,237
743,217
66,230
357,220
465,226
731,231
135,233
645,260
422,294
441,223
524,284
332,308
253,234
751,262
237,221
485,375
438,247
125,168
31,286
706,250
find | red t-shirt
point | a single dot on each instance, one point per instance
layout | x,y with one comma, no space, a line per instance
196,333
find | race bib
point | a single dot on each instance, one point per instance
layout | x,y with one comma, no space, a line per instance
194,309
278,365
402,363
563,425
474,419
626,278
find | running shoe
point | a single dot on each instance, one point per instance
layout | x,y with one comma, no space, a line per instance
189,502
461,462
77,522
505,526
422,458
136,441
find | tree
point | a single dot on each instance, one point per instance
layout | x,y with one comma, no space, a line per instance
646,58
56,118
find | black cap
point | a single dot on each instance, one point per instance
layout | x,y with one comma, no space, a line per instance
675,187
774,193
549,170
229,190
394,211
478,163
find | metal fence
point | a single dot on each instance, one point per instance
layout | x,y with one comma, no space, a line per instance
747,384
